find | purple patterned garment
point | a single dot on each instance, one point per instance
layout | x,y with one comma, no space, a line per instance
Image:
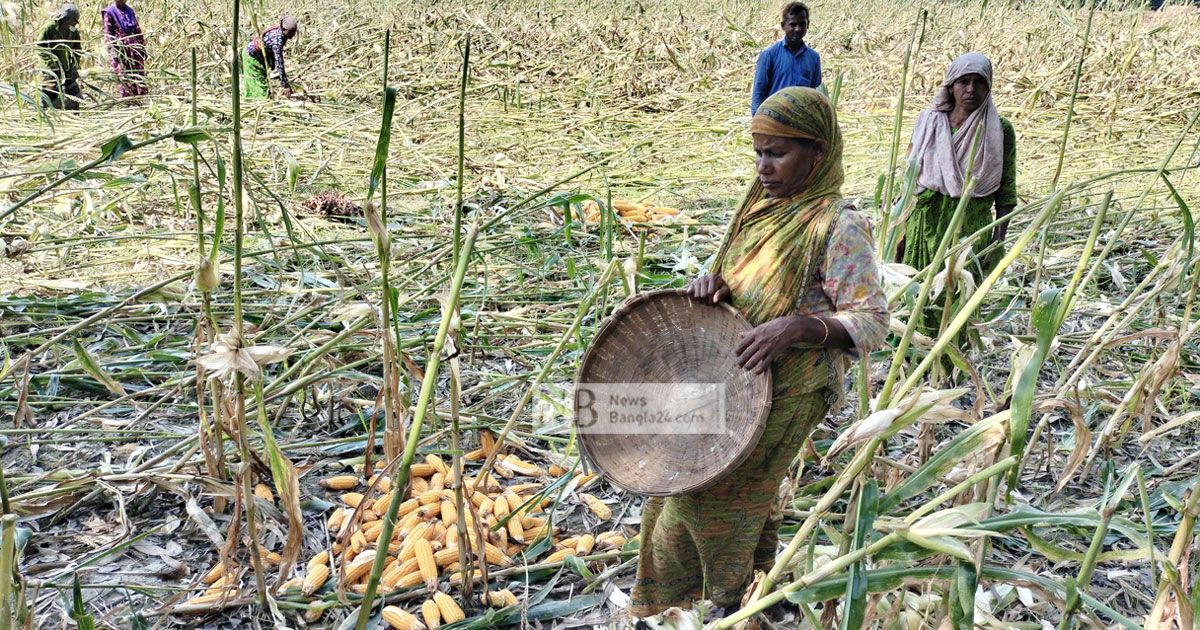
272,39
126,48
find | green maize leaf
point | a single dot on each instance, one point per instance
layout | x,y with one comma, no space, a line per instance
962,596
83,621
89,365
114,148
191,135
1047,317
1185,213
856,586
930,473
385,141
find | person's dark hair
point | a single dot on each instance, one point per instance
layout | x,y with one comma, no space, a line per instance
795,8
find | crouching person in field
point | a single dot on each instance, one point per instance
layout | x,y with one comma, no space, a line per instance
59,49
266,51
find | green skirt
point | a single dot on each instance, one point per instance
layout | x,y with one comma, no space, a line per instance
254,78
706,545
930,219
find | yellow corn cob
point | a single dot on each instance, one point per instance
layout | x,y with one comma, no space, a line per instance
340,482
487,440
515,530
381,484
585,545
270,557
429,496
515,502
400,619
445,557
369,515
582,480
499,507
321,558
436,462
425,563
439,532
449,513
431,614
602,511
336,548
454,566
499,599
295,583
448,607
410,580
263,491
517,465
206,599
335,520
360,567
430,511
557,471
494,556
560,555
390,576
571,542
663,210
623,206
315,579
217,572
533,522
455,579
522,488
418,485
475,455
406,508
227,580
358,541
503,470
353,499
611,539
423,470
437,481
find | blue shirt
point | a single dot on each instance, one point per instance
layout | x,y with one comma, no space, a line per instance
779,68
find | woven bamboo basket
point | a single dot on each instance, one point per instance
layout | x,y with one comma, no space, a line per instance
655,340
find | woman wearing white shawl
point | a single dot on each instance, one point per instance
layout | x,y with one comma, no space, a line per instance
941,144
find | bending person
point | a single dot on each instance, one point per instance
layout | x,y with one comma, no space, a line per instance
267,52
59,49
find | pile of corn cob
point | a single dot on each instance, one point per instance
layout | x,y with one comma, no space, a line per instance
630,211
424,550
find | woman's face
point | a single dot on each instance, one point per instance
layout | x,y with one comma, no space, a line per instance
784,164
970,91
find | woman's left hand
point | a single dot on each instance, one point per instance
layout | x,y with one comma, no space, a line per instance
759,347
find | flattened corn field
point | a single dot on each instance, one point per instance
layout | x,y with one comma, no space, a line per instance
184,457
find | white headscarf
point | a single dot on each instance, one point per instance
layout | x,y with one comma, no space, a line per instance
943,155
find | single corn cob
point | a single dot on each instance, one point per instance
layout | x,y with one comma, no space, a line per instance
437,481
571,542
383,484
315,579
426,564
611,539
449,513
585,545
400,619
522,488
429,496
217,572
353,499
437,463
406,508
295,583
449,608
418,485
475,455
430,511
516,531
270,557
446,556
410,580
494,556
602,511
263,491
321,558
422,470
431,614
340,482
335,520
560,555
360,567
557,471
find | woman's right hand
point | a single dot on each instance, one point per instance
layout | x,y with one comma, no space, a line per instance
709,289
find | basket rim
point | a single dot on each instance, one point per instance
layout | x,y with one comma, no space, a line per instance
606,328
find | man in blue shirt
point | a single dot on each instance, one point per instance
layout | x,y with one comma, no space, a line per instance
788,62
